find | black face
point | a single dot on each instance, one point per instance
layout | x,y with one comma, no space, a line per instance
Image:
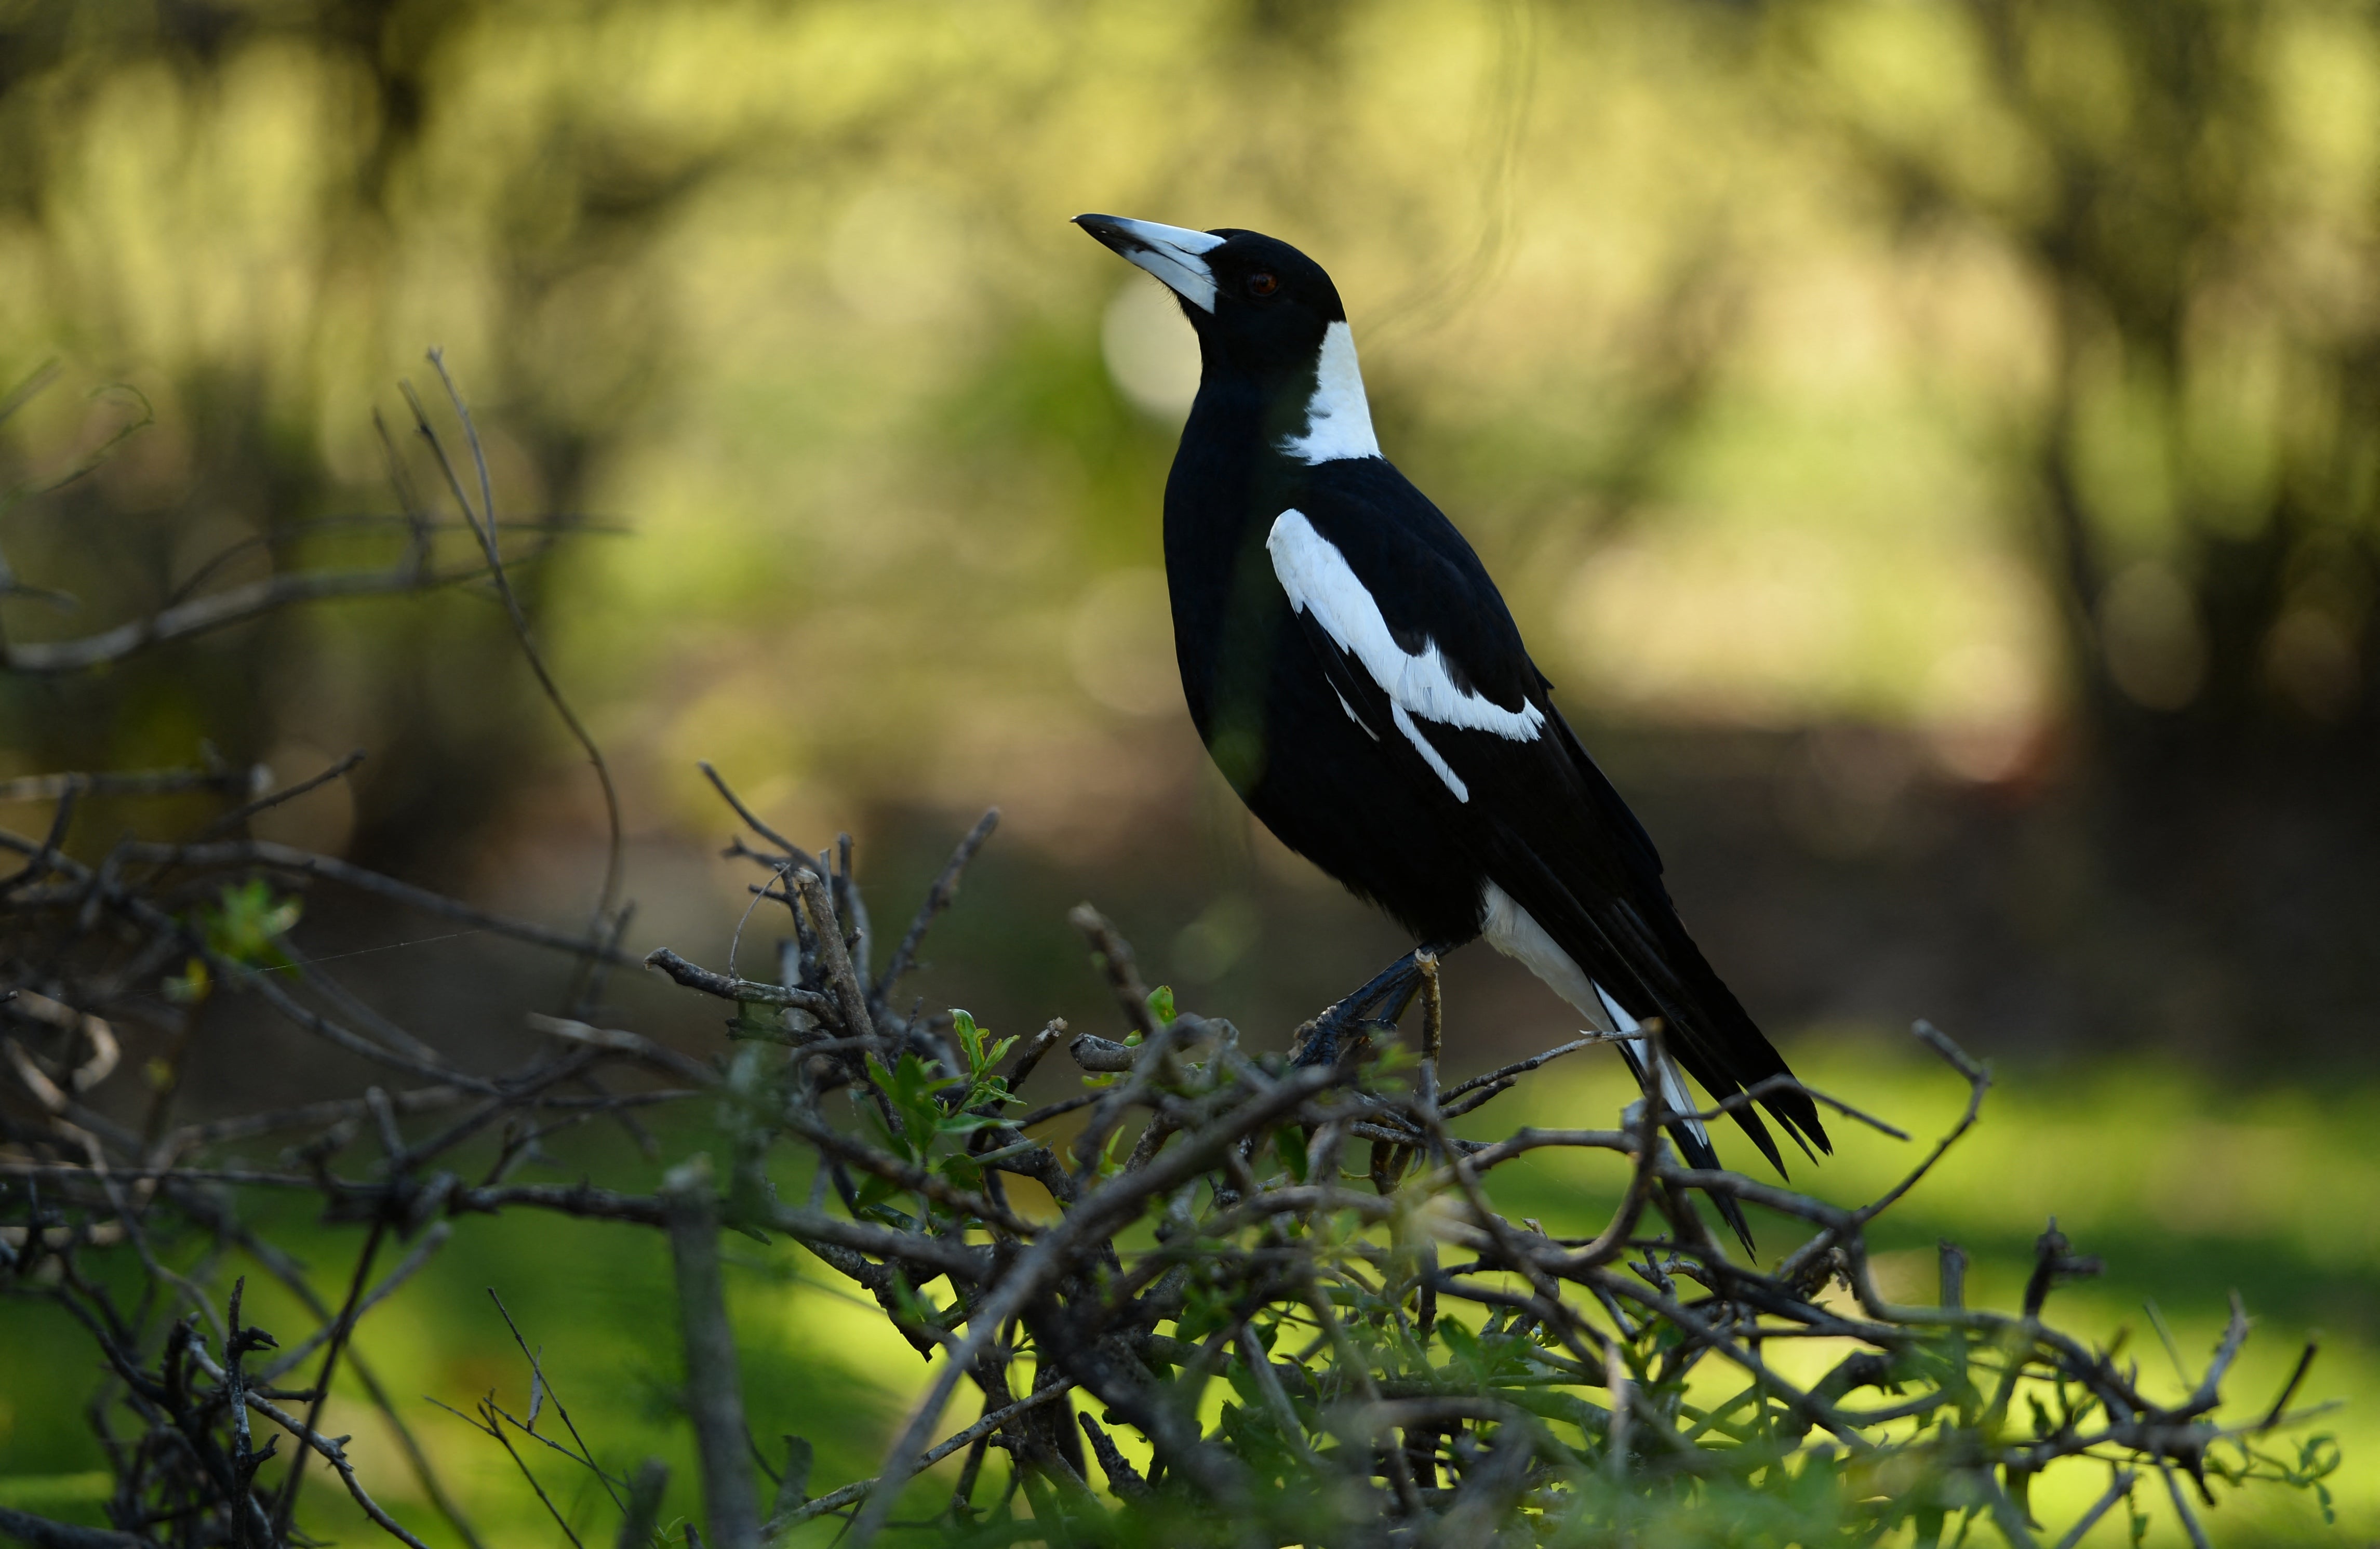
1260,307
1272,304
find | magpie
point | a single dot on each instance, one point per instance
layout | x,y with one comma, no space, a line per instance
1357,678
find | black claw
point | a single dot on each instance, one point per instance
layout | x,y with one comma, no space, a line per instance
1373,1009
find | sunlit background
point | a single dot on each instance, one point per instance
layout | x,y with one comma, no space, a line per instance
1932,445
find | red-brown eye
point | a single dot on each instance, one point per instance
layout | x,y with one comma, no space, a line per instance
1263,282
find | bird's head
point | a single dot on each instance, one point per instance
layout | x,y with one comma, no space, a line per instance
1266,314
1255,299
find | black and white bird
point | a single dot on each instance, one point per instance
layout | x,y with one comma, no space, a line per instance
1359,681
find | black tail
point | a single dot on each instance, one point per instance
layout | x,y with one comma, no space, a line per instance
1586,870
1696,1147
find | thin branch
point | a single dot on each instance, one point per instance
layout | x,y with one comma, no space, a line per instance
696,977
483,522
858,1489
714,1399
227,854
219,610
270,800
940,896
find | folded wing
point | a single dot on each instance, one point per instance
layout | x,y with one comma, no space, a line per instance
1417,645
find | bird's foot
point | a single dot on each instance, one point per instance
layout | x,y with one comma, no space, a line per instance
1347,1026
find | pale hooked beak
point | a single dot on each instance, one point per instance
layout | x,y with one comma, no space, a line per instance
1170,252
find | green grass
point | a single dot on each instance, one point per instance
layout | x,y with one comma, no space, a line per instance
2188,1188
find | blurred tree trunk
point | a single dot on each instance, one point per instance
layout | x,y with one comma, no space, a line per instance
435,687
2205,459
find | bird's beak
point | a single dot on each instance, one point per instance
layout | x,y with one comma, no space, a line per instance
1170,252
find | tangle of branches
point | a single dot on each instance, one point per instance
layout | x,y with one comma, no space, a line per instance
1213,1296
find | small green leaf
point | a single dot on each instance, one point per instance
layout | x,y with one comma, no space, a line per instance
247,924
1289,1141
1110,1163
191,986
1161,1004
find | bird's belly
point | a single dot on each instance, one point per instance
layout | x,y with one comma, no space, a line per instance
1327,788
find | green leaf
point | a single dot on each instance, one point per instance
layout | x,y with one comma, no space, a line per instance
1203,1313
1110,1163
247,924
191,986
2042,1424
1160,1005
754,1020
1289,1141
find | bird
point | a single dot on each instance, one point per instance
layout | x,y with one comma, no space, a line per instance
1359,681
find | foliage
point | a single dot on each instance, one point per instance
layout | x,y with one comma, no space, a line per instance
1189,1320
1567,1391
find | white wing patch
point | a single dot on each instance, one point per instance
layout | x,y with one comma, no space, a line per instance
1338,417
1403,719
1319,580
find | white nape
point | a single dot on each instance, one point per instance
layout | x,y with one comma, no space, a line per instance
1170,253
1513,931
1319,580
1338,418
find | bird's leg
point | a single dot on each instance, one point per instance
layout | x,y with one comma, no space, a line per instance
1378,1005
1321,1041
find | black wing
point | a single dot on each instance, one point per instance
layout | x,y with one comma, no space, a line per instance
1416,641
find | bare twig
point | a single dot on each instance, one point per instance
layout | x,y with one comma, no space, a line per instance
483,522
940,896
714,1400
219,610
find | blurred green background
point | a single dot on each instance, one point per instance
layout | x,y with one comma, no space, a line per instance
1933,446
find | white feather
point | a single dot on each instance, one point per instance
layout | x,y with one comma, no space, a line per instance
1403,720
1319,580
1351,716
1338,417
1513,931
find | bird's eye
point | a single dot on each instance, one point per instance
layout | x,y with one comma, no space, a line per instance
1263,282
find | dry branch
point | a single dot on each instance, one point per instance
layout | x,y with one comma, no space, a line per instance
1404,1364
